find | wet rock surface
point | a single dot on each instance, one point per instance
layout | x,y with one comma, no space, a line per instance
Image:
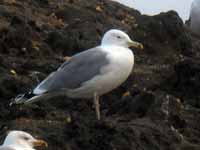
157,108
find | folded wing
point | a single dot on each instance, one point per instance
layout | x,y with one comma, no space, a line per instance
74,72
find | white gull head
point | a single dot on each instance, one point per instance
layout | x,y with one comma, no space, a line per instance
21,140
116,37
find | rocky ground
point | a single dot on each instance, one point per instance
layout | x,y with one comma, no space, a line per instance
157,108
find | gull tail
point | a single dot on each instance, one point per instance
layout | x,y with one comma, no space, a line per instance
23,98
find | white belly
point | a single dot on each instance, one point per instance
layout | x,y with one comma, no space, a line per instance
112,76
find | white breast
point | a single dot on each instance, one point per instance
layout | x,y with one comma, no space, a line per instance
112,76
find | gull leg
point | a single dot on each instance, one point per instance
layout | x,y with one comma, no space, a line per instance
97,105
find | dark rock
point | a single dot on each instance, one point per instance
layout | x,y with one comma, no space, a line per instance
16,20
42,2
137,105
188,79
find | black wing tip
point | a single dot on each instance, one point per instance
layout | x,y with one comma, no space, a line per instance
21,98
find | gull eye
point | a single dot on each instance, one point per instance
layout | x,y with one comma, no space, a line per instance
25,138
119,37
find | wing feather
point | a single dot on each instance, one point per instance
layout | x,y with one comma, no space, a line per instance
72,73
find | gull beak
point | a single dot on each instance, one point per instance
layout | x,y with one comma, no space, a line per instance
135,44
40,143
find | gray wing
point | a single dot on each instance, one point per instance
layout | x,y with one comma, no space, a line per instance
72,73
6,148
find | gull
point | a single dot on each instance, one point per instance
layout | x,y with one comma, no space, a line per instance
195,17
89,74
20,140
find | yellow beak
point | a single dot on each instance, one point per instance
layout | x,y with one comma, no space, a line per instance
40,143
135,44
